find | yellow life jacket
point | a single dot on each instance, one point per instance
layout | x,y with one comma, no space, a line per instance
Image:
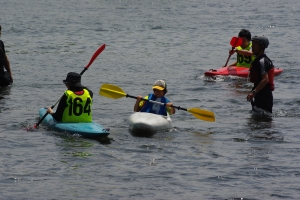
78,107
244,61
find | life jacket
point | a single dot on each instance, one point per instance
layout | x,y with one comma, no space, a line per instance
255,72
155,108
78,107
244,61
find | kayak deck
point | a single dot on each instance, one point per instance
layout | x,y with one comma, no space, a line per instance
235,71
147,124
86,129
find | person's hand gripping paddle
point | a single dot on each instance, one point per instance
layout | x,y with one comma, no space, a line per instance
235,42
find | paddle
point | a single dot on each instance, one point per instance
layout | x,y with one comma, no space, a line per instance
115,92
101,48
235,42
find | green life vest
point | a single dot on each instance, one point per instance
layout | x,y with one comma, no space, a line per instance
78,107
244,61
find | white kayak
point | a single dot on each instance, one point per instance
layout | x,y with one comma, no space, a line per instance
147,124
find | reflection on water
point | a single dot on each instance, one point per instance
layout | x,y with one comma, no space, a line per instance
259,122
293,113
4,94
147,133
220,78
4,91
204,138
76,140
263,127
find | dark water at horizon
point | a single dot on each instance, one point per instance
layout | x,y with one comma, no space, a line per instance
241,155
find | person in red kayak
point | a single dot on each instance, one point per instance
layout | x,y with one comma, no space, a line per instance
76,103
244,53
159,91
5,76
262,75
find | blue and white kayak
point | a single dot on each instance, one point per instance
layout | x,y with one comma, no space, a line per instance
86,129
147,124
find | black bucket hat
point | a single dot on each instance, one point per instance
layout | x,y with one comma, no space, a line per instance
73,79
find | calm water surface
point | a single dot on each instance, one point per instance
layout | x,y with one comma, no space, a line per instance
240,156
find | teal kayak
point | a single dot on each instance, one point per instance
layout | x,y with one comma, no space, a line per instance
87,130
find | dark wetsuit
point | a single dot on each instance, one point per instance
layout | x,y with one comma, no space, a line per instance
4,76
264,98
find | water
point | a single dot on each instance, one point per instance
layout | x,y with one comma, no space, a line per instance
239,156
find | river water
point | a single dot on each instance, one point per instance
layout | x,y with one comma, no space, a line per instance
240,156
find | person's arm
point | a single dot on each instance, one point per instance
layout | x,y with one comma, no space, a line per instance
244,52
6,61
170,109
264,76
137,107
260,86
57,115
90,91
7,67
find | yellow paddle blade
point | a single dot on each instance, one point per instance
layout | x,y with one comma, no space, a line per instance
202,114
111,91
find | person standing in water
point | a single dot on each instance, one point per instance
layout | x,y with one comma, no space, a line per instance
262,75
5,76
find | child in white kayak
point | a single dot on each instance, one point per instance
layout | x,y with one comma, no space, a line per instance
159,91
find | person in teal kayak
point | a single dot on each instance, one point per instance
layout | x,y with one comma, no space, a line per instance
76,103
244,53
262,75
5,76
159,91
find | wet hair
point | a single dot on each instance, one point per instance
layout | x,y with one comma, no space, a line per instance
245,33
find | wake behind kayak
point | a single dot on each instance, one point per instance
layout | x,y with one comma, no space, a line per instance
235,71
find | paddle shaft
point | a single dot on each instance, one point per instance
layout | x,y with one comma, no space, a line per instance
156,102
228,57
88,65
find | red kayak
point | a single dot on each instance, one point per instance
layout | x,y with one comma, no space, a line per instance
235,71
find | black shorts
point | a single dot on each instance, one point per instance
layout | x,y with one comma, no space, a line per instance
264,100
